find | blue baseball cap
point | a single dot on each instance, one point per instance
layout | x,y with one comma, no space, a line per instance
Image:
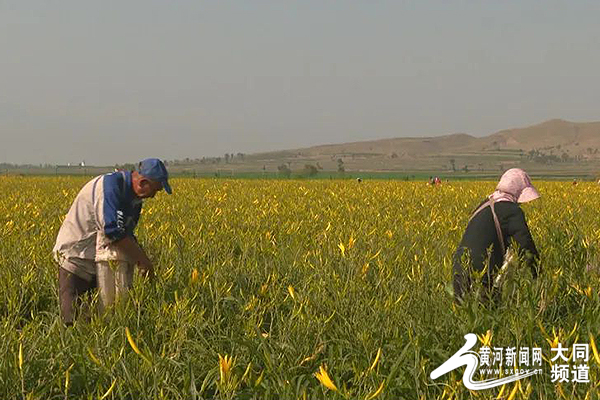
153,168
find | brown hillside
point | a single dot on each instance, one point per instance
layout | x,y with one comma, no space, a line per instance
551,137
555,136
400,146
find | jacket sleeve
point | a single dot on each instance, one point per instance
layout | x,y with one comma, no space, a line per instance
113,221
137,210
519,232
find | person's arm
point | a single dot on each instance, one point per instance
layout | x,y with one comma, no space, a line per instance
112,223
519,232
129,246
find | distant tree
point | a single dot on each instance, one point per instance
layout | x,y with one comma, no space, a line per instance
226,158
453,164
394,155
284,170
466,168
125,167
310,170
340,165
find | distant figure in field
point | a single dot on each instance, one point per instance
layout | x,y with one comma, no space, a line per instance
434,181
496,221
96,246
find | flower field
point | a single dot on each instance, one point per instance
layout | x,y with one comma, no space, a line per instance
272,289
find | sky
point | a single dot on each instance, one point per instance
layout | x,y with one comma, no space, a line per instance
118,81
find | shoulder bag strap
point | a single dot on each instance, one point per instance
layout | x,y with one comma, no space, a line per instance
498,229
490,203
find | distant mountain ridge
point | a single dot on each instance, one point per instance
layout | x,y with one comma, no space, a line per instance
557,137
575,137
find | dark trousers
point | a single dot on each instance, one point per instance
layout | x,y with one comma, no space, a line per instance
71,291
463,283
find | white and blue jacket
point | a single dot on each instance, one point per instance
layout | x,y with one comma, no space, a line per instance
105,211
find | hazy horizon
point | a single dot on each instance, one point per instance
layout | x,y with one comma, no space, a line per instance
112,82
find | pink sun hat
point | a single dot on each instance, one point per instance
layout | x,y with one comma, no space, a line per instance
515,185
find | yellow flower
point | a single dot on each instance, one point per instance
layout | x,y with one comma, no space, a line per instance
501,392
292,292
324,378
246,372
554,342
513,393
93,357
365,269
573,331
351,242
225,364
131,341
134,346
342,249
194,276
594,348
110,389
21,356
376,360
486,339
376,393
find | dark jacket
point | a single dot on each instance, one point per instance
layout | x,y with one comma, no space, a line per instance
481,246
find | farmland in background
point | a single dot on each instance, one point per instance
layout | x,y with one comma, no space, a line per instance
549,150
292,289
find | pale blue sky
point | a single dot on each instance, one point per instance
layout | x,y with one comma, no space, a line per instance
116,81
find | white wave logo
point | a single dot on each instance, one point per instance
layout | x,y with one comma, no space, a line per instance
470,360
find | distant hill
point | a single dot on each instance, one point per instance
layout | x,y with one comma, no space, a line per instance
555,136
577,139
555,147
402,147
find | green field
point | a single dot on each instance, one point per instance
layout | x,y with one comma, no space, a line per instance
280,279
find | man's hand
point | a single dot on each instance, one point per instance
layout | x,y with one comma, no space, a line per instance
135,253
146,269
